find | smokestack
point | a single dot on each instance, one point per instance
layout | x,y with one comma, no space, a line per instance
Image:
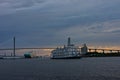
69,43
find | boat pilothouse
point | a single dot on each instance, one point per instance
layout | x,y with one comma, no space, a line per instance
69,51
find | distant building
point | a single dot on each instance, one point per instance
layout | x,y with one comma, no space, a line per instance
84,49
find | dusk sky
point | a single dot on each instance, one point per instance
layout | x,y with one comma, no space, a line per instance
48,23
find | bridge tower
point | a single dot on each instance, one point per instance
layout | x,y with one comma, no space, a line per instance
14,46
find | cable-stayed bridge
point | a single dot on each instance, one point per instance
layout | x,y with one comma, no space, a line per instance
43,50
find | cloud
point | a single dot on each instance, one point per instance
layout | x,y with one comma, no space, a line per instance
11,6
101,33
98,27
49,22
66,6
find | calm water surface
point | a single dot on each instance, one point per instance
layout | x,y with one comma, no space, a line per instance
102,68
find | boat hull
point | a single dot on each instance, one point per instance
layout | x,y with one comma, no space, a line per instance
76,57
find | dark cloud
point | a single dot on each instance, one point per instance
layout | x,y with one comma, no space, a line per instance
50,22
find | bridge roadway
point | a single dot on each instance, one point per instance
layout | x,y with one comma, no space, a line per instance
90,49
24,48
103,50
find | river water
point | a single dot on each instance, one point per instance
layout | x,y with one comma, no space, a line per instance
101,68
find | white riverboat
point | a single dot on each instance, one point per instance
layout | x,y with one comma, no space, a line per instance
67,52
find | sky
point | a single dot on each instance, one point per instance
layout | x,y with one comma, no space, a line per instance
48,23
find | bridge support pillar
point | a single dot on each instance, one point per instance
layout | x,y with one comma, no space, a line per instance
110,51
118,51
103,51
89,50
95,50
